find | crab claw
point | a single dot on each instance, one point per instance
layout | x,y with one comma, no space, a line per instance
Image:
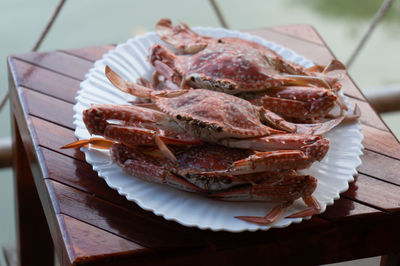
271,162
138,90
184,39
126,86
315,147
295,102
308,129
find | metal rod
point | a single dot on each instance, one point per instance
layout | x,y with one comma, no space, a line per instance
38,42
378,16
48,26
221,18
385,99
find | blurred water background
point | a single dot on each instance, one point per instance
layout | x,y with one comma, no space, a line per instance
97,22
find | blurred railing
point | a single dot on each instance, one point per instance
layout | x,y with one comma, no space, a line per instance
385,99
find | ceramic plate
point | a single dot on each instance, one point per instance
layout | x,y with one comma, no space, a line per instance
129,59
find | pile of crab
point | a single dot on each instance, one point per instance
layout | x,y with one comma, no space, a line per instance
227,118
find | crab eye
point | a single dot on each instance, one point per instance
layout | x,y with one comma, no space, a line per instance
192,78
219,41
179,117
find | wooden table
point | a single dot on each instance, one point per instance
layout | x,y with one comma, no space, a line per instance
63,204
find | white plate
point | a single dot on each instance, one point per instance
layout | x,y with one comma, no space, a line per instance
130,59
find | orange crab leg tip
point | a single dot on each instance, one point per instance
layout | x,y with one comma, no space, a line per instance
97,143
314,208
270,218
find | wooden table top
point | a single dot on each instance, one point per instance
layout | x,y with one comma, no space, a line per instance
91,223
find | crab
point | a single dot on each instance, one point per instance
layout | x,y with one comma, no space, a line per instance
238,66
204,169
207,115
190,117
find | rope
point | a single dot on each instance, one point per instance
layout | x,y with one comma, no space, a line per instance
48,26
38,42
377,18
219,14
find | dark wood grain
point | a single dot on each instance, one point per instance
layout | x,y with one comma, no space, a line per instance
380,166
149,231
374,192
90,53
46,81
345,208
68,65
368,115
78,174
89,244
300,31
53,137
381,142
34,243
48,108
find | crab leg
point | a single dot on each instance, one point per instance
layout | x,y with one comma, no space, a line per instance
181,37
284,188
310,129
314,207
271,162
149,168
314,146
96,120
138,90
296,102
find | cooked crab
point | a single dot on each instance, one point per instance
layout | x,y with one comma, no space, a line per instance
205,169
234,66
208,115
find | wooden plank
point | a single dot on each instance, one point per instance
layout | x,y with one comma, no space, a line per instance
146,230
59,62
88,244
380,141
92,53
80,175
316,53
45,81
34,243
380,166
348,209
301,31
368,115
53,137
374,192
29,139
48,108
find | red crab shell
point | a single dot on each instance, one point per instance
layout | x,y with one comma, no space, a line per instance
214,115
